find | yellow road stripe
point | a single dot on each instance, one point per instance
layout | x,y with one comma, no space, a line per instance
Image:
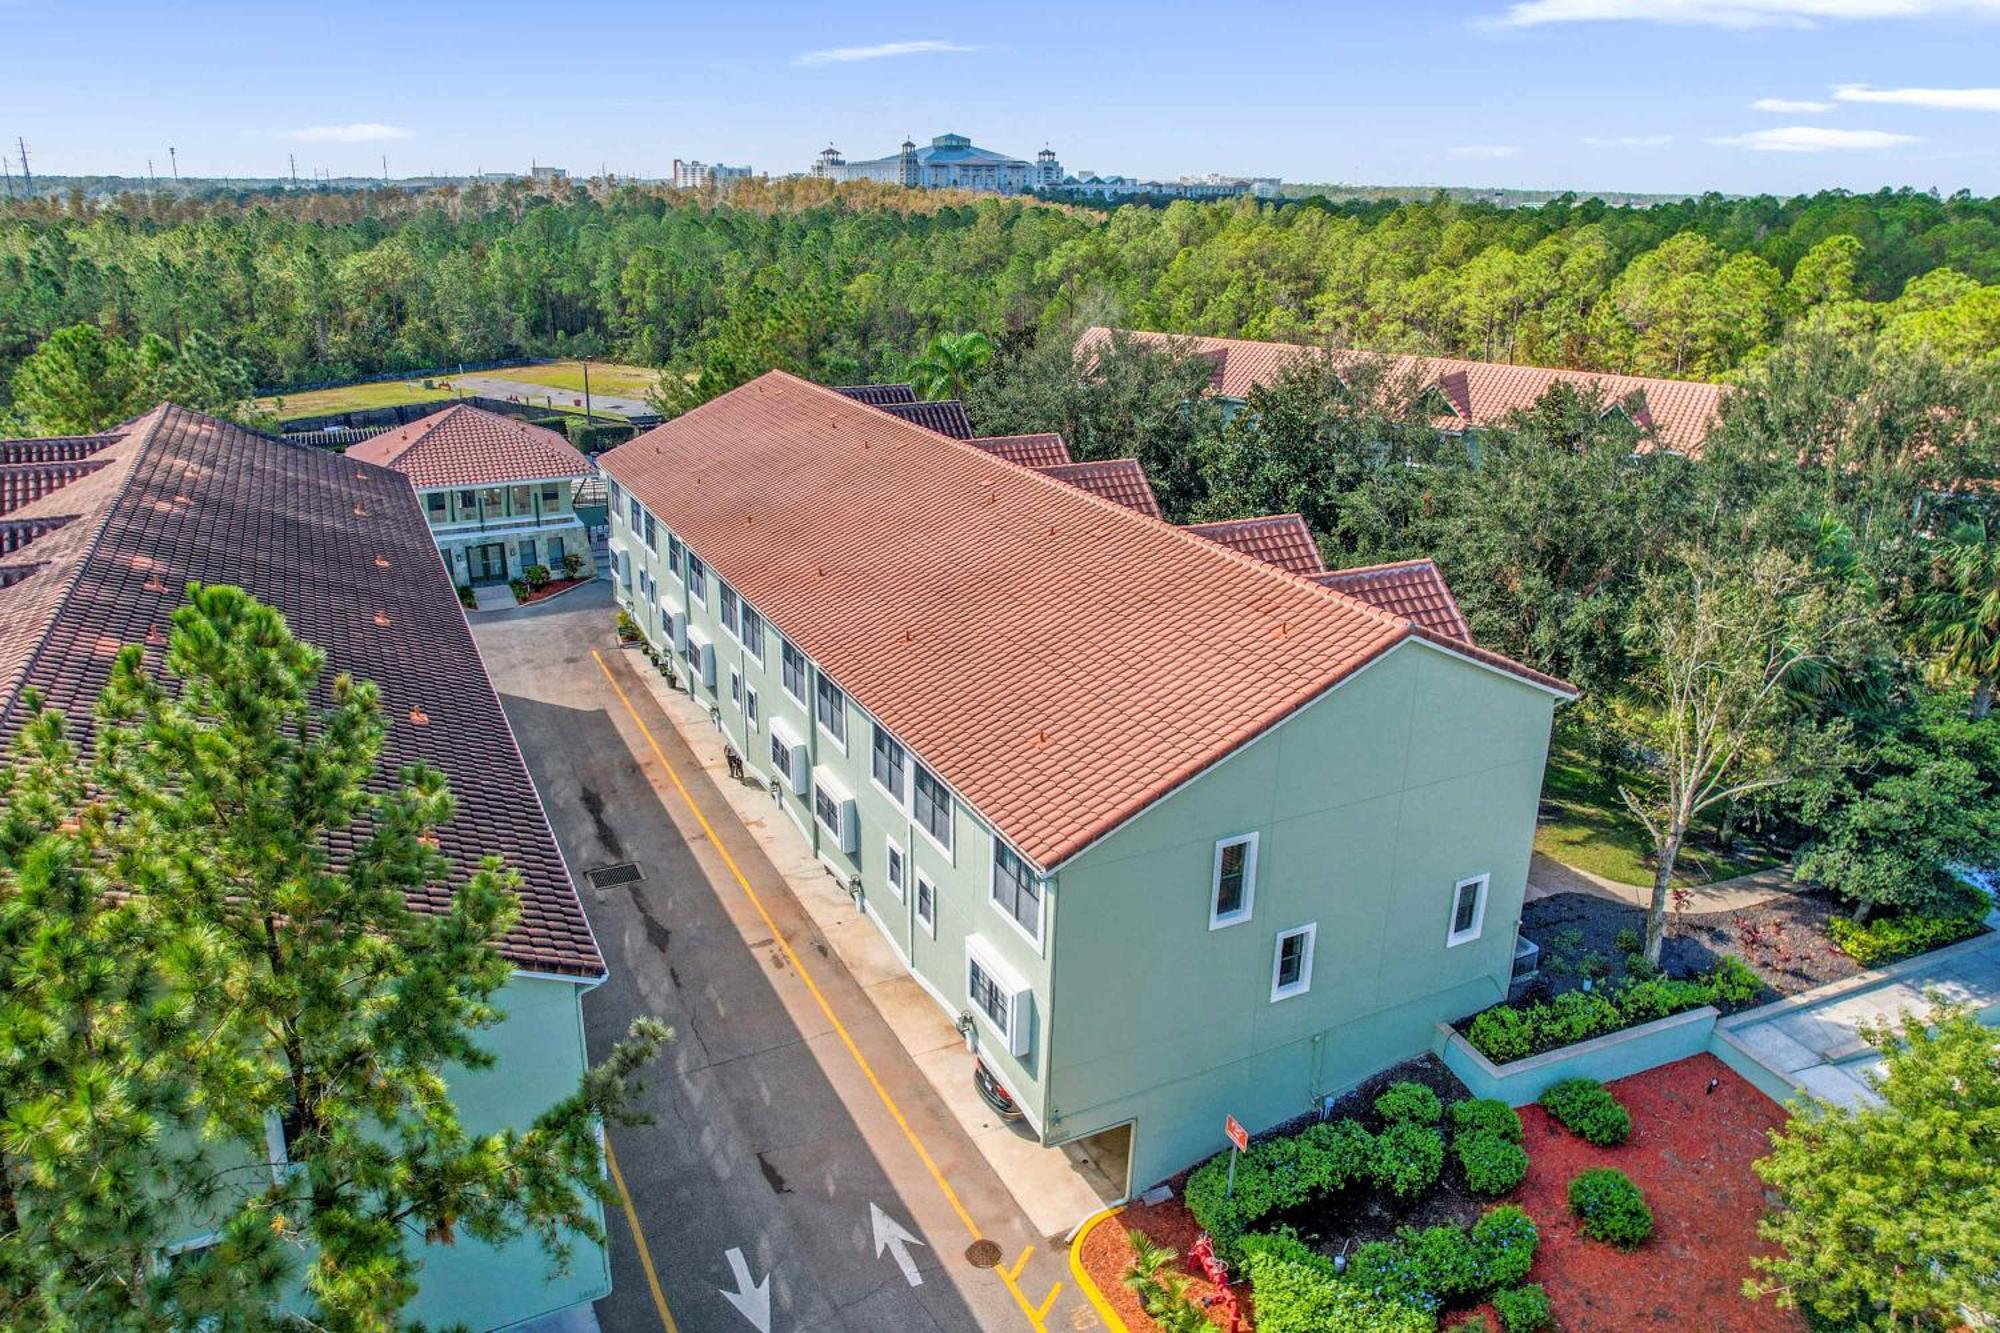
1083,1280
1043,1309
1020,1263
645,1254
825,1007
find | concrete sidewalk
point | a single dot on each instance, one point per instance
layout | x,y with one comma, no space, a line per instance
1811,1042
1548,877
1058,1188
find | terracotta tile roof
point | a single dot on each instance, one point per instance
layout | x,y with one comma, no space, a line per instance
52,448
1061,661
21,484
1412,588
469,446
1119,480
946,416
1283,540
1027,450
342,548
878,395
1678,414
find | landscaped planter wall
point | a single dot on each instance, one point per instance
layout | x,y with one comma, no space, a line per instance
1613,1055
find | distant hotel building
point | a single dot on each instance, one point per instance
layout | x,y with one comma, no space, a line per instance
548,175
950,162
701,175
1211,186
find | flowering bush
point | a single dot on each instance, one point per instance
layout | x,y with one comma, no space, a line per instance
1586,1109
1610,1208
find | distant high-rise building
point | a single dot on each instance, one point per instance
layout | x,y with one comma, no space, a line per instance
700,175
549,175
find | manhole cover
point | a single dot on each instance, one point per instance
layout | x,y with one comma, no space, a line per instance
983,1254
623,872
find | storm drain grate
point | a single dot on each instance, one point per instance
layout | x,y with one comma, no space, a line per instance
622,872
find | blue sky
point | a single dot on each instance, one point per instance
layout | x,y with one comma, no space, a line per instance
1668,95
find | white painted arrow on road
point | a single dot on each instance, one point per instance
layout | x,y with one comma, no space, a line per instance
752,1302
889,1233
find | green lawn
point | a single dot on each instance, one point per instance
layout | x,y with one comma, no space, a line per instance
1585,826
352,398
567,376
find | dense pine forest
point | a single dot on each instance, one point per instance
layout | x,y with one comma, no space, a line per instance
850,283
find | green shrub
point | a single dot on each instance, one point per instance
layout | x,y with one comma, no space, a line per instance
1473,1323
1277,1174
1409,1103
1515,1032
1524,1309
1297,1292
1628,940
1888,938
1586,1109
1492,1164
1335,1154
1505,1238
1610,1208
1408,1159
536,576
1441,1265
1486,1113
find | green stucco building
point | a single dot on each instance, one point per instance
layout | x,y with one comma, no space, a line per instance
1174,832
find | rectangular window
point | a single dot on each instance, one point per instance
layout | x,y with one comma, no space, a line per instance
638,515
989,997
1292,963
527,553
612,489
887,764
830,707
551,493
673,555
736,687
1468,911
1017,892
930,806
894,867
1234,885
752,633
466,499
781,758
726,600
436,502
750,708
826,809
795,673
927,906
652,534
697,579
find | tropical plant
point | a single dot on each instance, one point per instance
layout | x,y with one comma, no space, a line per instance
1958,618
948,363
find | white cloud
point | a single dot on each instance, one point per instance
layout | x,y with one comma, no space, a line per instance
1787,106
1733,13
366,131
842,55
1948,99
1488,151
1629,141
1812,139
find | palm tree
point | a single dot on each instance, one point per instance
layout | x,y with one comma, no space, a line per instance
1959,618
948,363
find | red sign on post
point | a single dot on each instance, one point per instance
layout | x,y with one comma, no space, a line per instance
1237,1134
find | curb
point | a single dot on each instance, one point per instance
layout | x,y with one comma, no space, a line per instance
1082,1275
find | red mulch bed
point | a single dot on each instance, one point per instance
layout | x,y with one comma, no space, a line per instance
1690,1151
1107,1254
548,590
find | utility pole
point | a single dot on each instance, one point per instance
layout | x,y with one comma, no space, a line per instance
27,176
586,391
293,158
174,161
385,168
7,171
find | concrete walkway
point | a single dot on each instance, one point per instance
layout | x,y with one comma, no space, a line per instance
494,597
1811,1042
1548,877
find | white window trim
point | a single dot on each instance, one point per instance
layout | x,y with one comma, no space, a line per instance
929,923
1454,938
764,630
1041,897
892,847
899,799
785,685
1019,995
1305,981
839,742
824,780
950,854
1216,920
753,708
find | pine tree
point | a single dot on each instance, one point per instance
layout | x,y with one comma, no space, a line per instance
284,984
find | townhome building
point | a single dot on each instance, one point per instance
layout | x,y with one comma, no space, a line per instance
499,494
1172,831
1464,397
99,538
